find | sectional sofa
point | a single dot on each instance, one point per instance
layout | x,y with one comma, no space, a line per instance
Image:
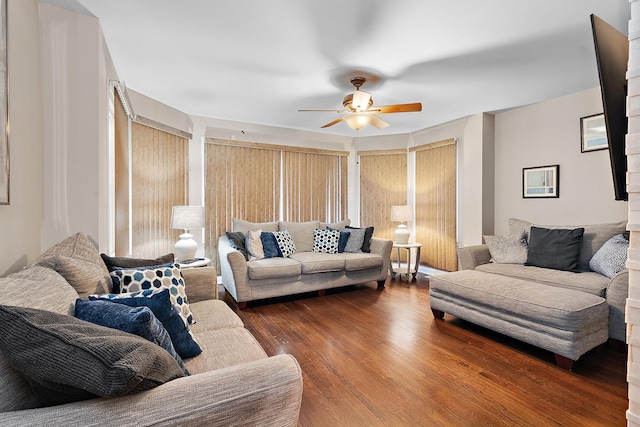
247,279
231,382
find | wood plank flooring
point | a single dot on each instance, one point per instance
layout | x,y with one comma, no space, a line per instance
379,358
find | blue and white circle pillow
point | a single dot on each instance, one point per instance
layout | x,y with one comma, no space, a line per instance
326,241
167,276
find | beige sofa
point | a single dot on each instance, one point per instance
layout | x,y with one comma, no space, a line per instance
304,270
233,381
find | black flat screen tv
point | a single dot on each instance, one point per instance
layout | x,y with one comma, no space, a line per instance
612,57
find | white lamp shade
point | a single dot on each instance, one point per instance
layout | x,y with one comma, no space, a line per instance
187,217
401,213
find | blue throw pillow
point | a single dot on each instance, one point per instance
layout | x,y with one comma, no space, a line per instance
270,245
160,304
135,320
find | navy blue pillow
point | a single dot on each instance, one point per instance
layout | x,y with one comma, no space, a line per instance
167,313
135,320
270,245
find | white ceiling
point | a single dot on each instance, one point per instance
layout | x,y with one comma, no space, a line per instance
259,62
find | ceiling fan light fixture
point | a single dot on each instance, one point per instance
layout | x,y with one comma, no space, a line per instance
360,101
357,121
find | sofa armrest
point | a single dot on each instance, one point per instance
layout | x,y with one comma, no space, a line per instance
263,392
201,283
617,293
233,269
383,248
469,257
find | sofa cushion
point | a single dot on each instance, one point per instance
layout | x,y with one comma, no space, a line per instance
361,261
595,235
245,226
611,257
301,233
160,277
125,262
237,241
317,262
273,267
160,304
336,225
67,359
285,243
587,281
512,249
213,314
270,247
326,241
555,248
139,321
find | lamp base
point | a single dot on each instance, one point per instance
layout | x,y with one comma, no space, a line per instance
401,234
185,248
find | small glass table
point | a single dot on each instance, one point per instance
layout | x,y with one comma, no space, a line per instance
402,269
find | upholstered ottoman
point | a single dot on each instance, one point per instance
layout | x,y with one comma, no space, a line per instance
564,321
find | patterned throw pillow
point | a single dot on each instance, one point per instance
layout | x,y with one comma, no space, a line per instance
511,249
366,241
610,259
285,242
168,314
326,241
356,240
168,276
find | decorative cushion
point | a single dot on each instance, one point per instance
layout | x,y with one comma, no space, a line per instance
245,226
611,257
167,276
285,243
326,241
124,262
270,245
160,304
301,233
356,239
342,242
66,359
236,240
511,249
366,241
253,243
557,248
139,321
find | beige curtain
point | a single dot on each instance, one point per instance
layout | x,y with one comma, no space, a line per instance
121,154
436,204
383,183
159,181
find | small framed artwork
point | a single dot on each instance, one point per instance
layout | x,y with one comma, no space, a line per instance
593,133
541,181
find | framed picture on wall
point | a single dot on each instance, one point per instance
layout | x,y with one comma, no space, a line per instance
593,133
541,181
4,108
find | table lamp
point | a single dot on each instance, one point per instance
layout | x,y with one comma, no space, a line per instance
402,214
186,218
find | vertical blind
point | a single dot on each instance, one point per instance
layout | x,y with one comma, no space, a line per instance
436,204
121,173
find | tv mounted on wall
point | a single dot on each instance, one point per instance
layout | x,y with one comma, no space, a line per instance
612,57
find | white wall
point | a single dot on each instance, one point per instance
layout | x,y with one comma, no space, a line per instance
76,68
548,133
20,222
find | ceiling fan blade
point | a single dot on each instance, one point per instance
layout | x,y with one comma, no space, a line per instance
377,122
324,111
338,120
397,108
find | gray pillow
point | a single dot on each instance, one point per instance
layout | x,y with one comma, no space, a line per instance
356,238
510,249
557,248
66,359
611,257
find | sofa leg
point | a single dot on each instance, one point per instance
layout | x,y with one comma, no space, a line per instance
381,283
437,314
242,305
321,292
564,362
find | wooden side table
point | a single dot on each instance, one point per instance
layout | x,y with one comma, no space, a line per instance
400,269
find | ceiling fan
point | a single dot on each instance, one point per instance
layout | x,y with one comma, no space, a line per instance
359,109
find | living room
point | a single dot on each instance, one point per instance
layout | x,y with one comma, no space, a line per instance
59,64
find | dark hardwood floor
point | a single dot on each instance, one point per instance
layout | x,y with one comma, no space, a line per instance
379,358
